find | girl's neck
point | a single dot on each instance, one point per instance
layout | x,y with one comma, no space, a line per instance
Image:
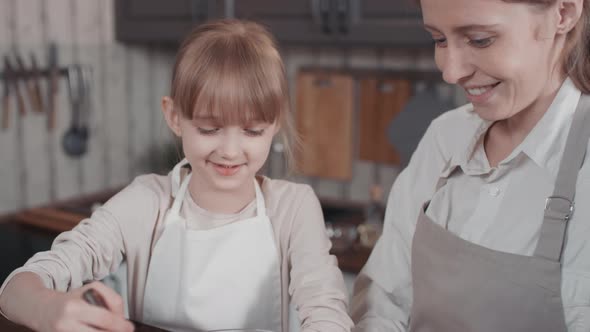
221,201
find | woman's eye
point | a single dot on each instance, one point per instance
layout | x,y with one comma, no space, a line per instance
482,42
254,132
439,42
207,131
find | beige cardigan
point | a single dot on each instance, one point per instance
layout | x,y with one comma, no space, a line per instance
129,224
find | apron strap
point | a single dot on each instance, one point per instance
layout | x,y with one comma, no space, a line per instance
260,206
175,176
559,207
180,194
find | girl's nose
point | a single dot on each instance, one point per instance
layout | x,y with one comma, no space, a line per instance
229,147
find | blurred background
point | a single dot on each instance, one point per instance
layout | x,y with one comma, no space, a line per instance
81,87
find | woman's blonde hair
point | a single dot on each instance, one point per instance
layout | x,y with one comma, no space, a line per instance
231,70
576,54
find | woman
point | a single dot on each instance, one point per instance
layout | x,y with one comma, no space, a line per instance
480,229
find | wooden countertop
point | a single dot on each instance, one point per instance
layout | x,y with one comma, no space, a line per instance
8,326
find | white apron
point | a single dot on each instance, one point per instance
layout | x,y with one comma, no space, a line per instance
222,278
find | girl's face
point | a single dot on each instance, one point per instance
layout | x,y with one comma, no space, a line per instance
504,55
225,158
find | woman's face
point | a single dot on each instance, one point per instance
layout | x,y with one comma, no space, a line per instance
505,55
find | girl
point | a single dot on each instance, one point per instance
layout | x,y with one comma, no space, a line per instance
211,245
480,231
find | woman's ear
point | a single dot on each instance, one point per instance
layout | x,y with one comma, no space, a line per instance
569,14
171,115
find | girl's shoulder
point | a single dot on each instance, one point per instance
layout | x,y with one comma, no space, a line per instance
281,193
283,186
146,195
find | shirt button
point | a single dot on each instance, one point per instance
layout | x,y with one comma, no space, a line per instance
494,191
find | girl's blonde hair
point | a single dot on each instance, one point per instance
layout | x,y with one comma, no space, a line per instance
231,70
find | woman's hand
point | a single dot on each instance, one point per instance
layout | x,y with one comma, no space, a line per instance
65,312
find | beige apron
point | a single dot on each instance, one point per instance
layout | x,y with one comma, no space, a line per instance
223,278
461,286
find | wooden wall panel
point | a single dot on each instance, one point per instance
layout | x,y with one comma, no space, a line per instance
140,103
10,197
59,23
5,31
108,19
68,170
32,133
116,116
89,25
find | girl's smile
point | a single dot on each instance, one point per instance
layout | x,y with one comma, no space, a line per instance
225,170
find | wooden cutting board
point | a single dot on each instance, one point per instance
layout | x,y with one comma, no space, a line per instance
324,121
380,101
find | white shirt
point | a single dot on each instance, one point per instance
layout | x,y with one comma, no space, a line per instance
500,208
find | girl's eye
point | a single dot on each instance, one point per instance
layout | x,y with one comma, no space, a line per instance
254,132
481,43
439,42
207,131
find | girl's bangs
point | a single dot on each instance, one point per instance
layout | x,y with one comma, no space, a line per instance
239,98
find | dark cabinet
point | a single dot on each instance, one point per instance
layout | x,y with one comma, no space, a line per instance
339,22
144,21
387,23
299,21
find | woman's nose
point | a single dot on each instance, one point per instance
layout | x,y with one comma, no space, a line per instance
454,64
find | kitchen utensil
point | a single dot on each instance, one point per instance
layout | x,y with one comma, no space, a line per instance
6,101
75,139
53,86
29,85
381,100
11,73
324,121
35,83
406,130
91,296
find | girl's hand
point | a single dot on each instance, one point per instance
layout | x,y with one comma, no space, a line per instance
65,312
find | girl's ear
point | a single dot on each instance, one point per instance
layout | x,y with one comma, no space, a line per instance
171,115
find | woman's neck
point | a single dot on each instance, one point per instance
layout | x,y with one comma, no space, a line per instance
505,135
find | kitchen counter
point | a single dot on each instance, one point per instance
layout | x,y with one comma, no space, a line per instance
8,326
